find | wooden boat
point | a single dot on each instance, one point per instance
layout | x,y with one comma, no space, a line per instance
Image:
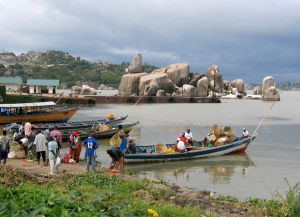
34,112
148,153
70,125
84,133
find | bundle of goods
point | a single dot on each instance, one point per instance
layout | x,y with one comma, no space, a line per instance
161,148
223,135
103,127
110,116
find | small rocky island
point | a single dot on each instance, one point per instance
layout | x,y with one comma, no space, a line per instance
178,81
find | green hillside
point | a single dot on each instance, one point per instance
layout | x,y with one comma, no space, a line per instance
63,66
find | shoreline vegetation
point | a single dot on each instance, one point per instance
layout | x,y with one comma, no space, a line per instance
27,190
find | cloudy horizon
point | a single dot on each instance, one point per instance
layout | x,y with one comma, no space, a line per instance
247,39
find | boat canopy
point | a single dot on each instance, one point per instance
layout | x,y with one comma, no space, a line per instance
28,105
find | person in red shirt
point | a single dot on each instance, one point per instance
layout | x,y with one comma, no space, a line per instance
183,138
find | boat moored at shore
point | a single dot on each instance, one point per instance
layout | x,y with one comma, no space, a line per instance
35,112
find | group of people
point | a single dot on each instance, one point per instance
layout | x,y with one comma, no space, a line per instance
185,140
44,146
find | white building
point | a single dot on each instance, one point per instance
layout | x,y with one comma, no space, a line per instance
42,85
11,83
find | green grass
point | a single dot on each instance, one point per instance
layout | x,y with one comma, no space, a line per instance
86,195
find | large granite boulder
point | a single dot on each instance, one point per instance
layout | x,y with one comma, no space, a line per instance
178,73
162,81
195,78
215,79
136,66
257,90
129,85
87,90
202,87
188,90
76,89
239,84
160,70
269,90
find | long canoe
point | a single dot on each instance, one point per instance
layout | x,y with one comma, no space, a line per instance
34,112
84,133
70,125
147,153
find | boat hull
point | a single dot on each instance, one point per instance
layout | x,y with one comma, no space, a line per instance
55,116
70,125
201,153
98,134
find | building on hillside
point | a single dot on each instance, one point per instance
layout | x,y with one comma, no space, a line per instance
42,85
11,83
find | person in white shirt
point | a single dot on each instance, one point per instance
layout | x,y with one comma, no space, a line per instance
189,136
180,146
245,133
40,143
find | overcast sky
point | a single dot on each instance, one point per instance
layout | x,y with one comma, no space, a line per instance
247,39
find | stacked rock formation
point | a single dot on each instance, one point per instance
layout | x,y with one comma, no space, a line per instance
173,80
269,90
177,80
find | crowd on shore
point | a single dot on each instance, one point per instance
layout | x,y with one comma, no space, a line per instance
45,147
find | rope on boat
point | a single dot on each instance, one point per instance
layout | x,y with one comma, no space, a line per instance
264,117
141,97
59,98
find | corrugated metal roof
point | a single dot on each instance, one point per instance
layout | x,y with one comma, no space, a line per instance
35,104
11,80
43,82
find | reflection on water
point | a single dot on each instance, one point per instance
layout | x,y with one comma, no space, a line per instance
219,169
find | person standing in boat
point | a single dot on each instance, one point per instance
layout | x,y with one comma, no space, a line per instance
91,145
245,133
75,146
40,143
4,147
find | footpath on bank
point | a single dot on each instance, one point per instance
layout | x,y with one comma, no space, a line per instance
27,189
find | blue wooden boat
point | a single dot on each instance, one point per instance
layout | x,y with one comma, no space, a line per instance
147,153
84,133
70,125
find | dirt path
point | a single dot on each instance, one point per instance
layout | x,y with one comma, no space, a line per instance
33,167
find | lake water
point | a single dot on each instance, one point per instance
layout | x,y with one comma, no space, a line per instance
269,161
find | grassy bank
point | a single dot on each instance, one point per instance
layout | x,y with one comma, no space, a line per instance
101,194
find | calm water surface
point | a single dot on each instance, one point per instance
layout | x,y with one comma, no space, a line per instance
270,160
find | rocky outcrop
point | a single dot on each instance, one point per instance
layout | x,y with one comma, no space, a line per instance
257,90
195,79
188,90
87,90
83,90
215,79
269,90
129,85
239,84
178,73
202,87
136,66
147,87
